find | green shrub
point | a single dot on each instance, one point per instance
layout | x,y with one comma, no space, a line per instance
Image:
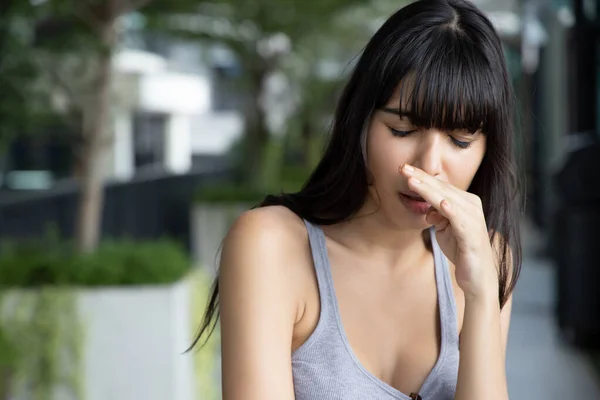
115,263
289,179
33,263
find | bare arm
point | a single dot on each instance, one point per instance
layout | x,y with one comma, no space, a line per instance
483,342
483,351
258,310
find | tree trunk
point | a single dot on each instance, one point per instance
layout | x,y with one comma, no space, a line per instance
95,137
256,130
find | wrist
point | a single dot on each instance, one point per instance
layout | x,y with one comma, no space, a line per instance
487,298
485,289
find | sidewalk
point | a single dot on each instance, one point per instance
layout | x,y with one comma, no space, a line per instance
539,365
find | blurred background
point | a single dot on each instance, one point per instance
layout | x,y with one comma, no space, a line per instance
133,132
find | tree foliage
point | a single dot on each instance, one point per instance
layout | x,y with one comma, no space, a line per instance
261,34
22,103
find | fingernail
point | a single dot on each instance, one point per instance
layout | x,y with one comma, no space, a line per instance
408,168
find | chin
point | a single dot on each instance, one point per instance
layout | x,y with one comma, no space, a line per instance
416,222
403,219
395,214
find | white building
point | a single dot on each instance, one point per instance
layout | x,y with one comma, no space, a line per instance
169,111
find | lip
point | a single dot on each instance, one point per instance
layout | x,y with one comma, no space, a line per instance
412,194
414,206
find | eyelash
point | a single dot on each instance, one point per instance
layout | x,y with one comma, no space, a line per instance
458,143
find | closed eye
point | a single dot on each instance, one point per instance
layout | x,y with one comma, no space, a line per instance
459,143
398,133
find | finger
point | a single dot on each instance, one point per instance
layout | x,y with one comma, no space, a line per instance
437,220
430,194
452,203
445,189
458,215
448,190
434,217
411,171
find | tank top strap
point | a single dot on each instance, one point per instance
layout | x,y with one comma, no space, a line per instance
318,247
445,290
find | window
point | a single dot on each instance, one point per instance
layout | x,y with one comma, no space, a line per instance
225,92
149,140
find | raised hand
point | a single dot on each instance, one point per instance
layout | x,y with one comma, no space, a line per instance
461,231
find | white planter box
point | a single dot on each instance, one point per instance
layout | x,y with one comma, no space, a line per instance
209,226
133,340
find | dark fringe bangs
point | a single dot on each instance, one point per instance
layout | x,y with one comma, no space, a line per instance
449,85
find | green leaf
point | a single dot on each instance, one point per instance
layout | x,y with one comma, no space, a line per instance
115,263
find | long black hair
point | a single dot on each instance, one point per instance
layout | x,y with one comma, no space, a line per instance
453,58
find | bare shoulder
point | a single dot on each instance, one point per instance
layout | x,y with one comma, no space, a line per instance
267,249
260,301
275,227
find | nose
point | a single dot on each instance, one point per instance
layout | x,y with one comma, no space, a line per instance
429,153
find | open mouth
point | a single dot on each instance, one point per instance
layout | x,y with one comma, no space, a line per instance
413,197
415,203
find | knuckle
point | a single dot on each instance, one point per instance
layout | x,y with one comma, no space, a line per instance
475,200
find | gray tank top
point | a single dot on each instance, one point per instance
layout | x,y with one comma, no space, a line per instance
326,368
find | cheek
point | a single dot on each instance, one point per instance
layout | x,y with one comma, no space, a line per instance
461,169
384,154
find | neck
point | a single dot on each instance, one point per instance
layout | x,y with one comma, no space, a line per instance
371,234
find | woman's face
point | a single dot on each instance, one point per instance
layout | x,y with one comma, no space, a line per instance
452,157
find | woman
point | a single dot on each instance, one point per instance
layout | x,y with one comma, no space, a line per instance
402,246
